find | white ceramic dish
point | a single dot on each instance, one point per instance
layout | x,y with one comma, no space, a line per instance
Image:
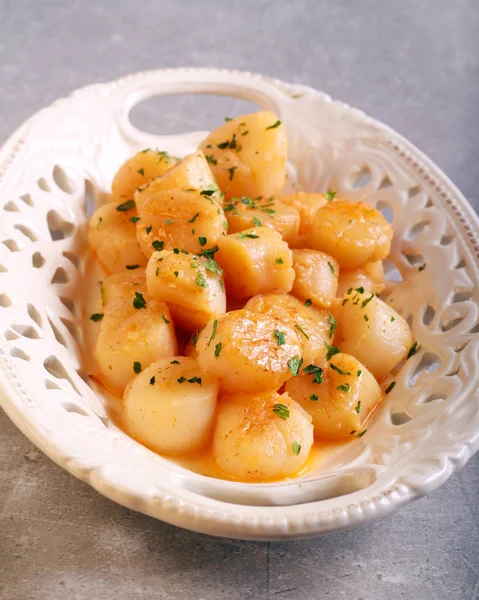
427,427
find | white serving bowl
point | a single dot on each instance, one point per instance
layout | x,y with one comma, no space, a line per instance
428,425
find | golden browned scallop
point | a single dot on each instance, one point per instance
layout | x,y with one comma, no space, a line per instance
170,406
314,326
245,213
307,205
112,236
123,285
353,232
134,332
139,170
370,277
261,437
373,332
316,277
190,173
181,219
248,352
191,285
255,261
248,155
339,396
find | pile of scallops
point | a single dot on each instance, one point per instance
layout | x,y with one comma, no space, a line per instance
236,318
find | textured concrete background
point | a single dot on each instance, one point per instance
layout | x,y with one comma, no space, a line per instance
412,64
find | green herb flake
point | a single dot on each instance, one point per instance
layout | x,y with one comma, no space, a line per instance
274,125
201,281
392,319
294,365
296,447
169,221
256,222
331,350
366,318
412,350
218,349
100,219
345,387
282,411
245,132
358,373
210,252
357,408
131,267
422,267
314,397
223,145
157,272
176,251
139,301
390,387
329,195
213,332
176,273
164,318
207,193
279,261
181,379
202,240
365,302
332,321
158,245
338,370
308,302
228,119
331,268
134,219
252,236
152,380
148,229
193,219
145,150
96,317
213,266
141,172
128,205
231,171
361,433
279,335
195,380
137,367
301,330
359,289
175,362
194,339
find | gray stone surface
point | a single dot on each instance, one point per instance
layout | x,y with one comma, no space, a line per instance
413,64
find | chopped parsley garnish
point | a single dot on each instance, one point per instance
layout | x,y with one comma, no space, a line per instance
279,335
390,387
201,281
301,330
213,333
193,219
176,273
279,261
412,350
282,411
231,171
422,267
137,367
128,205
223,145
139,301
195,380
148,229
228,119
181,379
333,323
294,365
158,245
392,319
331,350
145,150
211,159
164,318
176,250
366,318
274,125
213,266
345,387
175,362
134,219
245,132
308,302
338,370
157,272
210,252
330,195
357,408
256,222
207,193
362,433
194,339
358,373
141,172
218,348
152,380
96,317
252,236
296,448
100,219
364,302
169,221
331,267
202,240
314,397
131,267
317,371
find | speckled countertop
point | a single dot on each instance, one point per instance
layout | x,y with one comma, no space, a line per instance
413,64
